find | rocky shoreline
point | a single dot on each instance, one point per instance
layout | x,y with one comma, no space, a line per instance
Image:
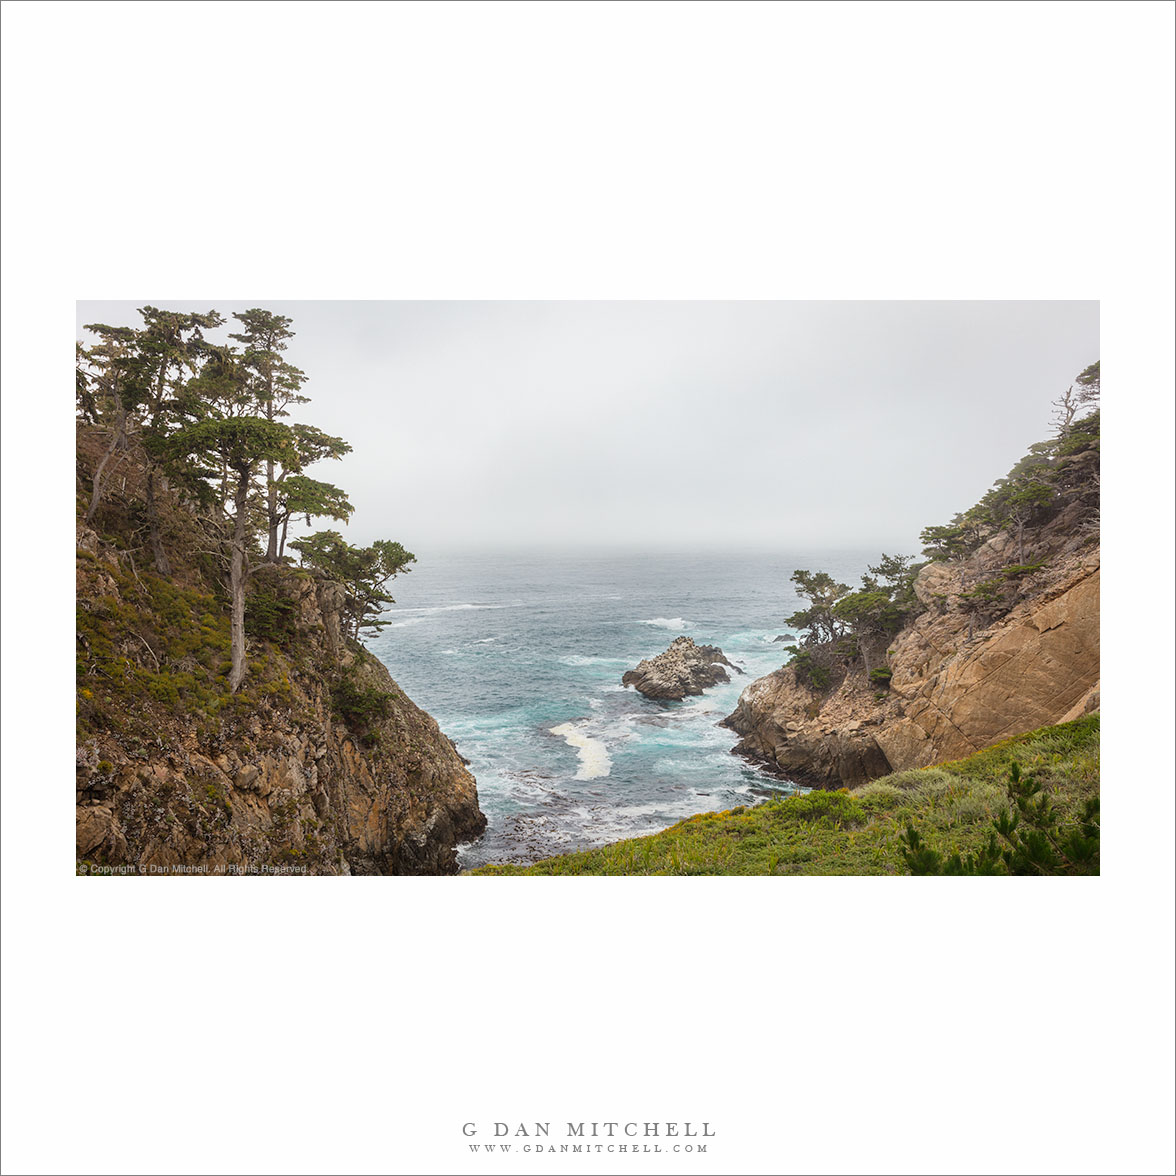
954,690
684,668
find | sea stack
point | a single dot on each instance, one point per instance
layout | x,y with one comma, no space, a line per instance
684,668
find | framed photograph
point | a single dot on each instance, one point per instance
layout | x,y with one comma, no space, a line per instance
587,527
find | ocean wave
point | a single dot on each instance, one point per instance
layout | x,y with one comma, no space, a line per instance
577,659
674,623
594,758
403,624
440,608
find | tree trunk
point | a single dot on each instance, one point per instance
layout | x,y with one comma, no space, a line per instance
99,485
237,574
282,545
162,567
271,487
271,550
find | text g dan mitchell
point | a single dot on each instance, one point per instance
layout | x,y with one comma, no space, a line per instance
608,1129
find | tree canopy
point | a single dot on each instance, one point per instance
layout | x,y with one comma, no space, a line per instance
210,419
364,572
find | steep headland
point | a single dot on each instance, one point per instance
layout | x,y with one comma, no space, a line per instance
998,635
950,694
318,763
685,668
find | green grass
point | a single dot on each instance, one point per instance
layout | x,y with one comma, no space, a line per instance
855,832
156,648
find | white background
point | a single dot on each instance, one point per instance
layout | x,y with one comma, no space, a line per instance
537,150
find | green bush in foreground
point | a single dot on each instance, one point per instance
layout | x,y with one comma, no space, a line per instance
1036,839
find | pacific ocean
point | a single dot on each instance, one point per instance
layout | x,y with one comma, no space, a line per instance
519,657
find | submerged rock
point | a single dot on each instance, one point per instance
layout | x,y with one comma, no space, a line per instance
787,638
684,668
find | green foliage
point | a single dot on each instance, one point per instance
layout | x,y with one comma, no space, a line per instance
881,676
1036,838
1088,383
995,596
153,641
360,707
1017,571
270,616
841,626
313,499
241,442
1084,435
818,621
272,383
870,614
362,570
809,671
944,542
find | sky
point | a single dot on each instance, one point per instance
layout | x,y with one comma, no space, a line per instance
670,425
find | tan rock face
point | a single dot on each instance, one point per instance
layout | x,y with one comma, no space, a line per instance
287,786
951,693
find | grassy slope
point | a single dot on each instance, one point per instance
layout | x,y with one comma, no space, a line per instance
952,806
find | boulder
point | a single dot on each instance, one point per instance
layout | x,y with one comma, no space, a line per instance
684,668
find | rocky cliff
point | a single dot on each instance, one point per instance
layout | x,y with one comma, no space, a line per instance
956,687
684,668
318,764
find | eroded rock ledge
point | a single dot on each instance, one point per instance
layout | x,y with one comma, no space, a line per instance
684,668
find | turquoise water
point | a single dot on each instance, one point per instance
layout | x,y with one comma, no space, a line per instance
519,658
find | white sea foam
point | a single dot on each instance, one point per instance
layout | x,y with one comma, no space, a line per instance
594,758
670,623
485,641
705,706
403,624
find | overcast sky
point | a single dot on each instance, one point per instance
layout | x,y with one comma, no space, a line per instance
671,424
